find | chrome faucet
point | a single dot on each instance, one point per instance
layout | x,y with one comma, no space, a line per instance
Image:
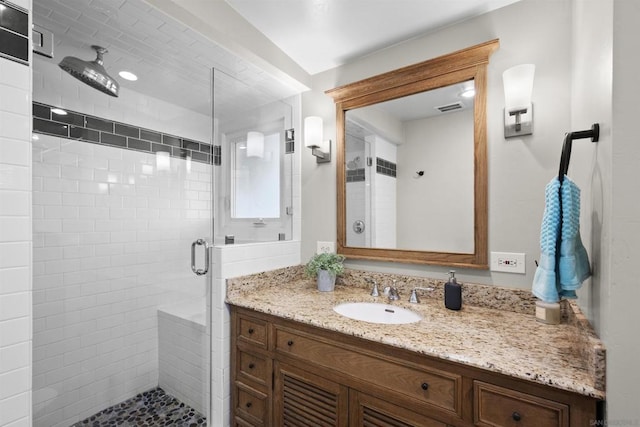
413,298
392,292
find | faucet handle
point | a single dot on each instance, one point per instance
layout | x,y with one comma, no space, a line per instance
413,298
374,290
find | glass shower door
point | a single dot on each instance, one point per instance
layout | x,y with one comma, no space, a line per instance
121,323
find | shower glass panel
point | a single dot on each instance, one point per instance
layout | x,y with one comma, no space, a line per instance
254,163
255,191
122,187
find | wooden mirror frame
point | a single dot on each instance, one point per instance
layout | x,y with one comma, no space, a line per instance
463,65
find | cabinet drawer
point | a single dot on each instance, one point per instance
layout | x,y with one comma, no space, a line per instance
497,406
424,385
253,367
253,331
251,404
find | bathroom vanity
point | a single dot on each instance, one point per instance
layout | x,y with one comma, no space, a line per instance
294,359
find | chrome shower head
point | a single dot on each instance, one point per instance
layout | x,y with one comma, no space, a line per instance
91,72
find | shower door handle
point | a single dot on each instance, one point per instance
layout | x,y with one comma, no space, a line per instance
200,242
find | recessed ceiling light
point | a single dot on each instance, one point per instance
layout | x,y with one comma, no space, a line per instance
128,75
59,111
468,93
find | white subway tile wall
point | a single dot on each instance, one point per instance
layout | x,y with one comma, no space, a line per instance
112,244
182,354
233,261
15,242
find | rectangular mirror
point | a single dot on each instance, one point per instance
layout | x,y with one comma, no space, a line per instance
412,162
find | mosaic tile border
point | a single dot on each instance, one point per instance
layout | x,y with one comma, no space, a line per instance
289,141
96,130
14,33
385,167
356,175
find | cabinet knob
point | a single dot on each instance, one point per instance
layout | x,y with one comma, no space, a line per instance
290,343
425,386
516,416
252,365
249,404
251,331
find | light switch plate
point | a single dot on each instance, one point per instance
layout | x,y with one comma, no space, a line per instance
508,262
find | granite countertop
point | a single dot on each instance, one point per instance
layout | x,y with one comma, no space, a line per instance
496,329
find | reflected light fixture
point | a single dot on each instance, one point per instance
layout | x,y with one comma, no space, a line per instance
59,111
255,144
468,93
468,90
518,111
313,139
163,161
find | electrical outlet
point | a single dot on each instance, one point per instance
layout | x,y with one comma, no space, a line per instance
325,247
508,262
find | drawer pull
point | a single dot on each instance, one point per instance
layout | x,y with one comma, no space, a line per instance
290,343
516,416
425,386
251,331
252,365
249,404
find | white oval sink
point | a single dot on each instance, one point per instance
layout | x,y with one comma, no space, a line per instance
374,312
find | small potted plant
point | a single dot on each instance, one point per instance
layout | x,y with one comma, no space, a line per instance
325,267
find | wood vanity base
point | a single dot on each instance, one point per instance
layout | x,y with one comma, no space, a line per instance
285,373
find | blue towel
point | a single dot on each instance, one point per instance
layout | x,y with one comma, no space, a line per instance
564,263
544,281
573,265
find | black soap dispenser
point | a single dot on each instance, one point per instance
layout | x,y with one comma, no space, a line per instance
452,293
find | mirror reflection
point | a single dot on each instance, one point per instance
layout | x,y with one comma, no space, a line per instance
412,162
409,172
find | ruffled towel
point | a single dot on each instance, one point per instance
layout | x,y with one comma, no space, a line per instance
560,277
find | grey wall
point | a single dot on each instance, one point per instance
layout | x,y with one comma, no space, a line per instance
585,54
436,215
519,169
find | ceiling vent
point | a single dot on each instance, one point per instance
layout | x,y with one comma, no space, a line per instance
450,107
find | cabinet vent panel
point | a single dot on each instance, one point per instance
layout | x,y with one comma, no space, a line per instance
371,418
308,406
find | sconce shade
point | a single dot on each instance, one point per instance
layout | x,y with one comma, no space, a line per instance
518,109
313,131
518,86
255,144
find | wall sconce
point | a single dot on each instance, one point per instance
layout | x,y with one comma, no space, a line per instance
313,139
518,111
255,144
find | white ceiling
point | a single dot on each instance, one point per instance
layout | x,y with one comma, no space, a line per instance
174,62
324,34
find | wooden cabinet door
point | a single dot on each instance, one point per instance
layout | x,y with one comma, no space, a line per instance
366,410
304,399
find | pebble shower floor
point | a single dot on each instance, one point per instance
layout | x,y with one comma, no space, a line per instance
149,409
